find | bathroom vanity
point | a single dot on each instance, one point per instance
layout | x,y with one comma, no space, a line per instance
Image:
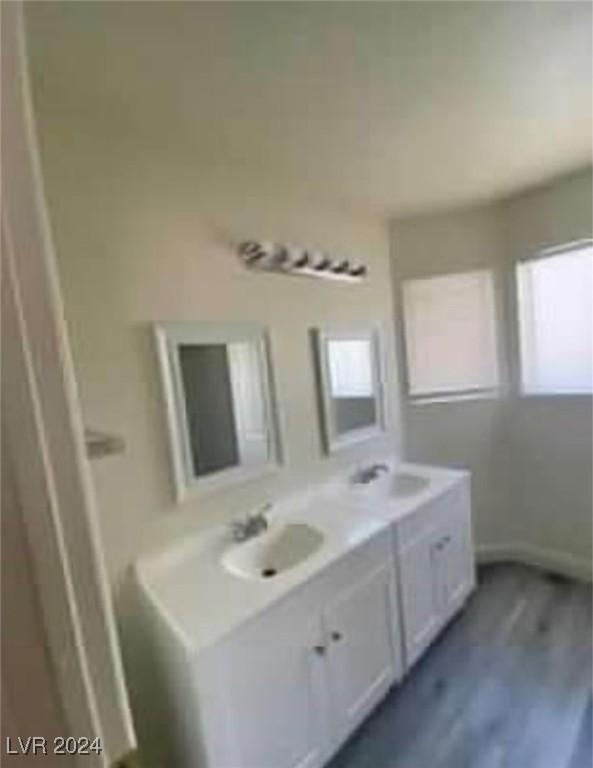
271,651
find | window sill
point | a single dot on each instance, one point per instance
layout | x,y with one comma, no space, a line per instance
534,395
455,397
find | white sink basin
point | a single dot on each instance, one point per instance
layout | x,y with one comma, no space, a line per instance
271,553
406,484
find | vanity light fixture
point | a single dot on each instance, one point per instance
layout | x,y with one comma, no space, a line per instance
291,260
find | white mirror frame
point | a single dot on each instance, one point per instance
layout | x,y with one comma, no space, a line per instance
169,337
332,440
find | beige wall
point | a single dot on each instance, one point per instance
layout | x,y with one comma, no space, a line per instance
530,457
551,437
144,234
464,434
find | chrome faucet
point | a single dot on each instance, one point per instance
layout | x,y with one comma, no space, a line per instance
251,526
366,474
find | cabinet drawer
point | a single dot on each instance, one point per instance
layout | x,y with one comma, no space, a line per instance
440,512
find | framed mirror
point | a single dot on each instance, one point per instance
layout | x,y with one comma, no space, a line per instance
350,387
221,413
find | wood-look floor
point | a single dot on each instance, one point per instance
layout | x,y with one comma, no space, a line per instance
508,685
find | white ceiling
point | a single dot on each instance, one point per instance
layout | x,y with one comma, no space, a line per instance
392,107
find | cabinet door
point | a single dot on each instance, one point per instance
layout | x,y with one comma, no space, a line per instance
360,651
421,583
274,693
455,553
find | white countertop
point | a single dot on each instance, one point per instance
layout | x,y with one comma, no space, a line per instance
375,498
202,601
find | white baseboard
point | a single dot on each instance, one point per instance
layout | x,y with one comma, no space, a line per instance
548,559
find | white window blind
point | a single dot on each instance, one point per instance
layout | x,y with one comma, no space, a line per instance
450,332
555,295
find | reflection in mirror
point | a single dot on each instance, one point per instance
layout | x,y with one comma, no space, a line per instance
351,384
219,398
350,390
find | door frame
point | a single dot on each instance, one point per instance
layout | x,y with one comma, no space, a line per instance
43,433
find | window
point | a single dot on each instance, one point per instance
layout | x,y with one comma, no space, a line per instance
555,295
350,368
450,332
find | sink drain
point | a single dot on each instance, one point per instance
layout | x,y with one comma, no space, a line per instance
267,573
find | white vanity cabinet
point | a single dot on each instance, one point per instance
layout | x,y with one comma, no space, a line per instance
269,681
418,579
435,559
362,659
231,670
293,683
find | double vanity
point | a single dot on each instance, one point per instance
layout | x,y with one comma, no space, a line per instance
268,652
